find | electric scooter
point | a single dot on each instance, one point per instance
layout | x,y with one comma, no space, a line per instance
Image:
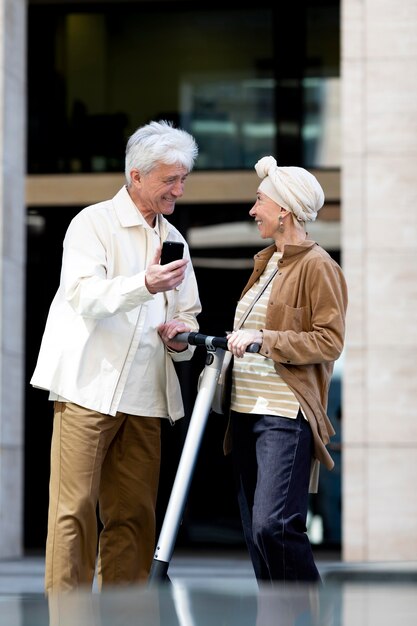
216,348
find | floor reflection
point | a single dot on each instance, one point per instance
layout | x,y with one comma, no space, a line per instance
341,603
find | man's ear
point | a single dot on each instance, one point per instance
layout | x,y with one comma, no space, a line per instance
135,176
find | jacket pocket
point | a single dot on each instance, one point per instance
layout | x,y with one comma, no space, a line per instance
283,317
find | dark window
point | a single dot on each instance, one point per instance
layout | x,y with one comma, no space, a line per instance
245,81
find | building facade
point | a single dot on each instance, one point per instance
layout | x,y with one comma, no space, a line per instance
246,82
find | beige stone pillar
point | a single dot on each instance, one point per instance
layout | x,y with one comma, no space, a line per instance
12,271
379,245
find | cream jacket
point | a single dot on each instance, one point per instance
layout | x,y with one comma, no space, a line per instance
102,297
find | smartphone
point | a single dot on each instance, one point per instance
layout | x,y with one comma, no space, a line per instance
171,251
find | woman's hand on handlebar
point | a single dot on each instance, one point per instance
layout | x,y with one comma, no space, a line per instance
239,340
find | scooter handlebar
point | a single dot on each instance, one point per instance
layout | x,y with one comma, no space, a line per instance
210,342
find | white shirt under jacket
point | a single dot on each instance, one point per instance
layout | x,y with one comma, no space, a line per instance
102,313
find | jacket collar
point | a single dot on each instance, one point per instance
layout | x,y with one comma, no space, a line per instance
290,250
129,215
261,258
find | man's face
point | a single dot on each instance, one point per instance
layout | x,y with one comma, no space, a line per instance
158,191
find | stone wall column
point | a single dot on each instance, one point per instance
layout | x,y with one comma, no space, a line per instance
12,271
379,255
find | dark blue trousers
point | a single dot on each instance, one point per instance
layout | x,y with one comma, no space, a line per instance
272,457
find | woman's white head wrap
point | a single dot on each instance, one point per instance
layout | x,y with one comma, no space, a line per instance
293,188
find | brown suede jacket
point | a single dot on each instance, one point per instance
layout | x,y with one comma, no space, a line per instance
305,329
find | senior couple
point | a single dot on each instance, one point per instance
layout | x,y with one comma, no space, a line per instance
107,360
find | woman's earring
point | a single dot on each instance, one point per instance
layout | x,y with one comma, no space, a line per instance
281,227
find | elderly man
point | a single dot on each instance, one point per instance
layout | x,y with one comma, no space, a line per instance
107,359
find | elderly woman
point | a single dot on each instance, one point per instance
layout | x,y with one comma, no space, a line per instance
294,306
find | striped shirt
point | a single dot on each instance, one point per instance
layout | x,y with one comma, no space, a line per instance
256,386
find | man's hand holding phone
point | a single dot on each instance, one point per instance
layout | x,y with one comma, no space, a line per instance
167,269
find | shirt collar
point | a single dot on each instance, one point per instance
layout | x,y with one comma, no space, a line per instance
129,215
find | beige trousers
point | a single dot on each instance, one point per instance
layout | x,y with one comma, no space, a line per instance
112,461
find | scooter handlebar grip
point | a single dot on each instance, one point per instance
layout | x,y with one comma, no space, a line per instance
198,339
185,337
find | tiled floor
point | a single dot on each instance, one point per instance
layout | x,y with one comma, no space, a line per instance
210,589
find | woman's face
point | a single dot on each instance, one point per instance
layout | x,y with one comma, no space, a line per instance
266,213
